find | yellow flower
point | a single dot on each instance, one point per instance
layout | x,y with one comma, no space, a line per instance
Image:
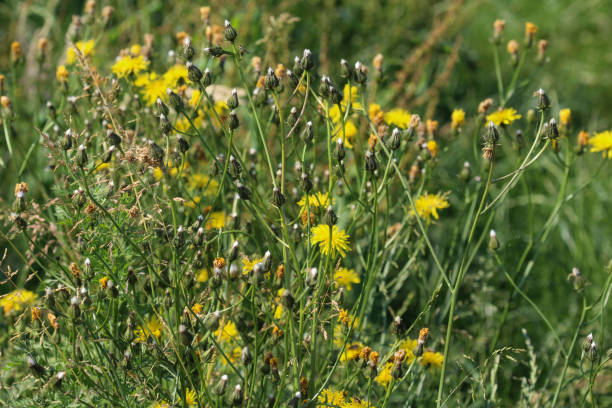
398,117
162,404
408,345
195,98
227,332
348,134
351,352
176,75
432,146
128,66
356,403
197,308
384,376
202,275
427,205
202,181
332,397
135,49
565,116
191,398
62,73
431,359
602,142
247,266
216,220
503,116
530,29
153,88
103,282
346,277
316,200
457,118
339,239
152,327
233,356
86,48
16,300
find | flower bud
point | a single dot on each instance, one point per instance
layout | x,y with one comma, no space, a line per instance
335,96
307,62
188,50
271,81
232,101
81,158
340,153
308,134
330,216
345,69
371,164
207,78
237,396
493,242
183,146
235,169
542,99
243,191
213,52
113,138
194,73
232,121
245,356
230,33
395,140
67,141
553,130
278,199
305,182
175,100
233,253
221,385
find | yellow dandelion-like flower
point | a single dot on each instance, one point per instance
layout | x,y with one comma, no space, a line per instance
61,73
565,116
216,220
316,200
103,282
332,397
202,181
431,359
191,398
153,88
432,146
135,49
356,403
346,277
161,404
408,345
195,98
398,117
247,266
457,118
153,327
17,300
351,352
338,240
86,48
503,116
128,66
228,332
427,205
347,135
602,142
176,75
202,275
384,376
233,356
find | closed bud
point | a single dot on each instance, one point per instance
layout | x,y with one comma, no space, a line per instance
271,81
183,146
395,140
175,100
278,199
288,299
164,124
297,67
212,321
81,158
194,73
553,130
233,121
345,69
237,396
592,353
335,96
188,50
330,216
215,51
586,344
492,133
465,173
542,99
207,78
311,277
493,242
292,118
221,386
233,254
307,62
156,152
243,191
67,140
308,134
245,356
230,33
113,138
185,336
340,152
235,169
371,164
305,182
232,101
360,73
36,368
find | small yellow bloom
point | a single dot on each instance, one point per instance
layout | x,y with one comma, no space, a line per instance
128,66
338,240
351,352
103,282
503,116
431,359
202,275
216,220
195,98
427,205
398,117
346,277
191,398
197,308
17,300
35,313
62,73
85,47
315,201
176,75
162,404
330,397
602,142
457,118
247,266
228,332
153,327
565,116
135,49
432,146
384,376
530,29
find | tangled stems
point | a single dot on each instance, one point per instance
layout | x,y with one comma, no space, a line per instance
455,289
